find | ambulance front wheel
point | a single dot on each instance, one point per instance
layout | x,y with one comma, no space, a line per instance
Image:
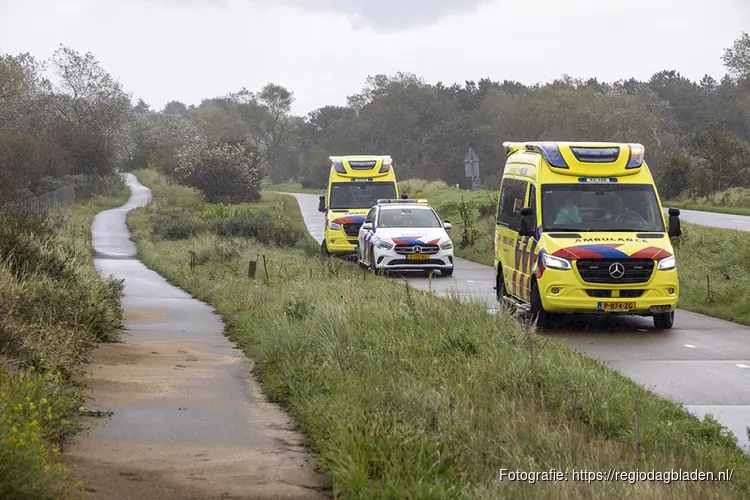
664,321
543,318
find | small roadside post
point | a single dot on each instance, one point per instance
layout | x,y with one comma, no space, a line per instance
471,168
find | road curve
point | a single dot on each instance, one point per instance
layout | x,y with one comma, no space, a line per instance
188,420
702,362
714,219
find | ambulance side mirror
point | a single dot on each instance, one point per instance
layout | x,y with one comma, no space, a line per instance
674,223
527,222
322,204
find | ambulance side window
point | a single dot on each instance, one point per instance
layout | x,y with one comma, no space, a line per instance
512,197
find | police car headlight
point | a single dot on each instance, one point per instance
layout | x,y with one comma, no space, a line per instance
333,225
446,245
556,262
666,264
384,244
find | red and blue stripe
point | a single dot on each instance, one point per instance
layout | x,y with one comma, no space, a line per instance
405,240
349,219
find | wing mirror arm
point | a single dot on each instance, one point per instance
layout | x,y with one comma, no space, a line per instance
675,229
527,226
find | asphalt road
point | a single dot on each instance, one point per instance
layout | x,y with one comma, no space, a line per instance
712,219
702,362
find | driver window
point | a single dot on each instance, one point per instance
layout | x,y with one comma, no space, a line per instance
370,216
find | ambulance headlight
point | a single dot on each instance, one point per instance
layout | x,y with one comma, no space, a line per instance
556,262
666,264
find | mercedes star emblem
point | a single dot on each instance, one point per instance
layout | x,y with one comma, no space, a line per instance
417,249
617,270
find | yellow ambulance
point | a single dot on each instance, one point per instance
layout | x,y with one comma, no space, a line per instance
355,185
581,230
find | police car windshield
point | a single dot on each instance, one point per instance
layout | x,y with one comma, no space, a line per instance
360,194
601,207
407,217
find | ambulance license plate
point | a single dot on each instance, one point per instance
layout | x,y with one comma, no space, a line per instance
617,306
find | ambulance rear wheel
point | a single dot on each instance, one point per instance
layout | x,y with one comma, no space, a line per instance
664,321
542,317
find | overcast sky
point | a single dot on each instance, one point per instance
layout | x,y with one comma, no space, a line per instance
323,50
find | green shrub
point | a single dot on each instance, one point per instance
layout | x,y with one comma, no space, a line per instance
28,244
86,186
262,226
227,173
176,225
33,413
54,307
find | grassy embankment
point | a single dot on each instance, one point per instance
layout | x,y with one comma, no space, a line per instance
405,395
291,188
54,308
734,201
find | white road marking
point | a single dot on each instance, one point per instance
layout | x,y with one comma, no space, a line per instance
741,366
470,281
690,345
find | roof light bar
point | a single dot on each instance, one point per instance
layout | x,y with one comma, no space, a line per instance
551,153
338,165
596,154
637,152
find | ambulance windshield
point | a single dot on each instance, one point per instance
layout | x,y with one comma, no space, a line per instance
601,207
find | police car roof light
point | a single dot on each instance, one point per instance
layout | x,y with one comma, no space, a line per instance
409,200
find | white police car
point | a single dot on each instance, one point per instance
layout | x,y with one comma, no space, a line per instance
405,235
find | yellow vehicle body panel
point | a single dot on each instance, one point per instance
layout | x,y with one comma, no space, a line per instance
595,256
370,173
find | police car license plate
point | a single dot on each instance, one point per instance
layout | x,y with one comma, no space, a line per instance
617,306
417,256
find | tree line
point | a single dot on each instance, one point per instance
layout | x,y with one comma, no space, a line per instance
696,133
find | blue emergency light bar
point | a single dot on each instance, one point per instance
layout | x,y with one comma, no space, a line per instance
338,164
551,153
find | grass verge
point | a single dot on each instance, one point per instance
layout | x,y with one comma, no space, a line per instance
405,395
54,308
708,207
290,188
734,201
